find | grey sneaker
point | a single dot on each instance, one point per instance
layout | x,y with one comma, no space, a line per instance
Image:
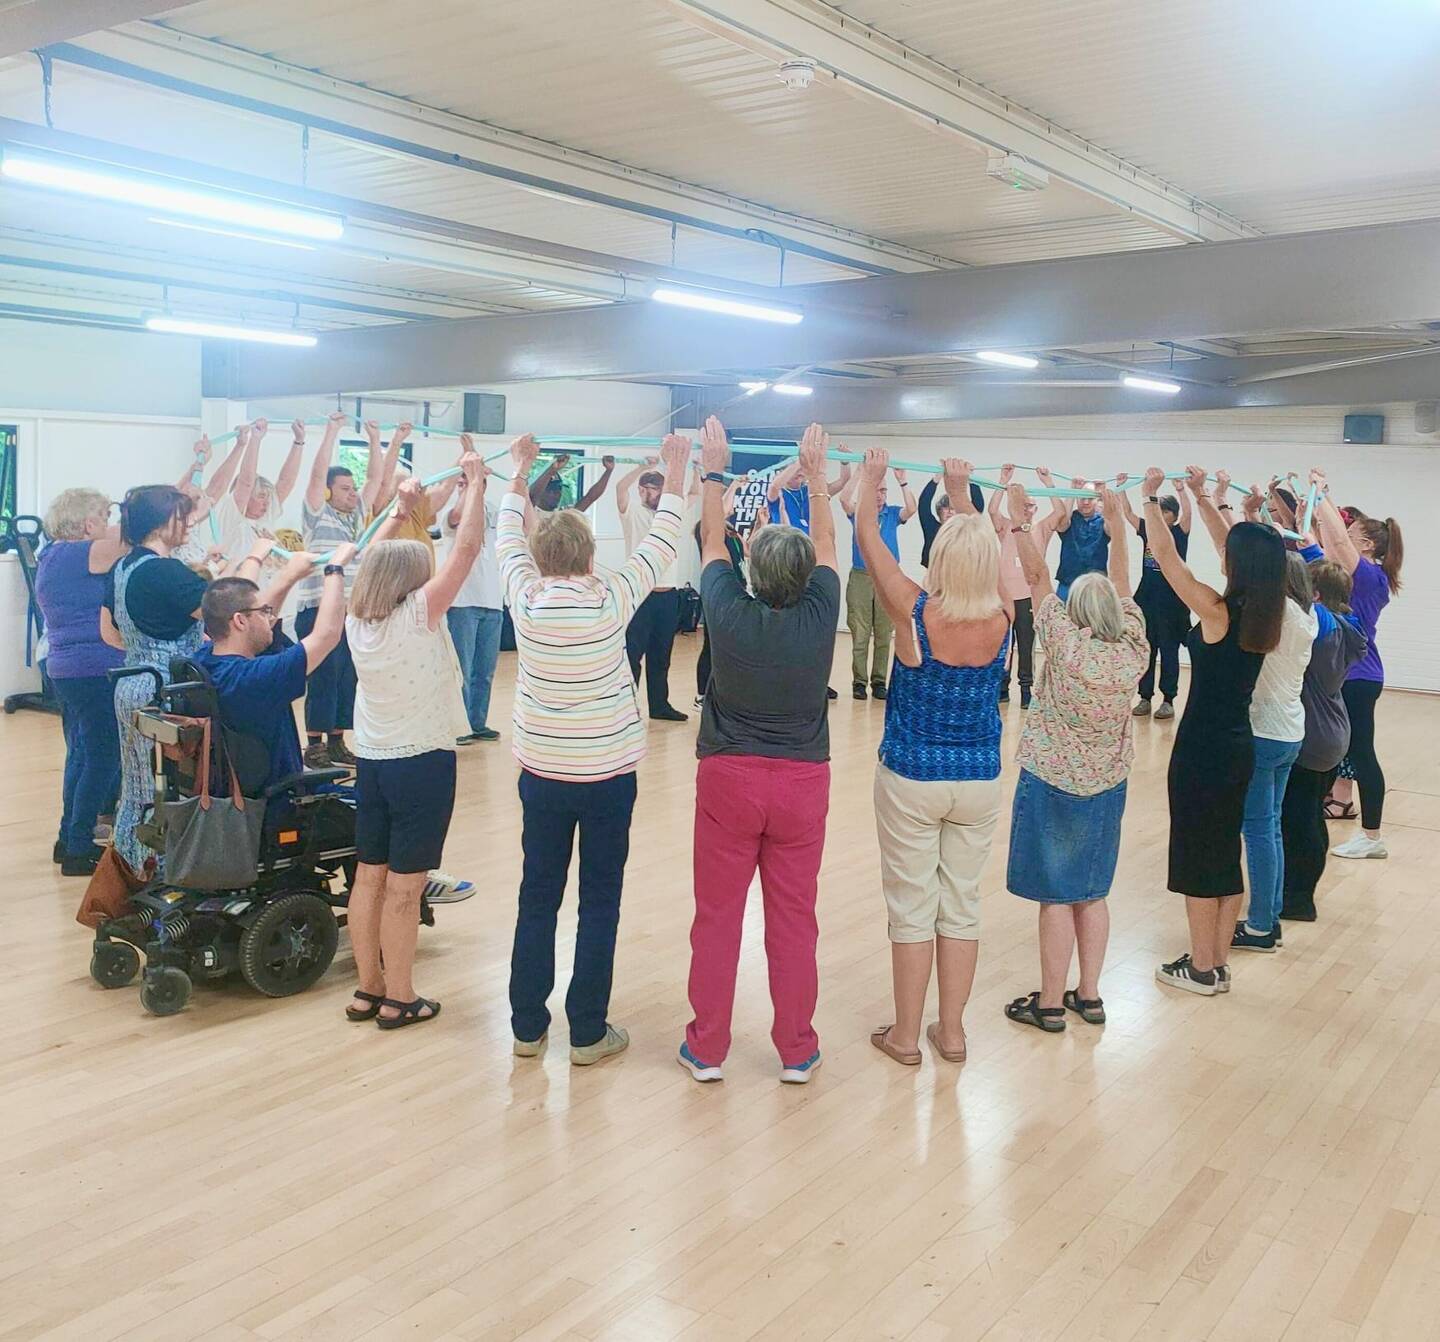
531,1048
1166,710
1141,710
615,1040
1222,978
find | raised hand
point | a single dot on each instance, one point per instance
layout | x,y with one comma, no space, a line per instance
1018,500
523,452
1154,479
472,469
1079,482
343,554
607,463
714,446
1007,473
203,450
901,478
297,432
402,432
876,463
407,496
1044,476
1195,480
813,446
1254,501
261,427
372,431
675,454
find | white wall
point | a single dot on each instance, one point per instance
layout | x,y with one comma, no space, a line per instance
1399,479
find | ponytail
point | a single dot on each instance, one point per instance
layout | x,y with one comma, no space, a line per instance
1387,547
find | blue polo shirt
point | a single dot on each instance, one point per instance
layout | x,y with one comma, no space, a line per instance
255,696
889,533
1084,548
797,509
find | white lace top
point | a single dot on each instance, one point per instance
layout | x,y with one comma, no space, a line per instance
408,698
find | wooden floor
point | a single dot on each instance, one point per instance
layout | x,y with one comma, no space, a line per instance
1265,1165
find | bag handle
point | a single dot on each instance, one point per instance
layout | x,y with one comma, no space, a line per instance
236,798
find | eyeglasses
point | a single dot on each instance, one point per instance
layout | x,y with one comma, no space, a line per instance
267,611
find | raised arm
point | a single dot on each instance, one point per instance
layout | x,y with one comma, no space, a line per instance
1209,513
957,485
221,480
897,593
636,578
592,494
324,637
290,468
1058,518
626,483
1031,554
442,589
378,492
813,446
407,499
714,460
847,494
1113,506
319,468
998,520
783,480
1187,516
841,480
542,481
189,483
1122,488
300,565
244,485
1330,526
1219,496
1207,604
909,506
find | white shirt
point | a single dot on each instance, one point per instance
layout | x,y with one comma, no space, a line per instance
686,569
408,696
635,523
482,584
1276,713
237,533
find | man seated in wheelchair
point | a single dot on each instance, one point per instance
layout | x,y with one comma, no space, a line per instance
255,691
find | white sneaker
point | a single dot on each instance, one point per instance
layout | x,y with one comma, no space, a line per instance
615,1040
701,1071
799,1074
1361,846
442,888
699,702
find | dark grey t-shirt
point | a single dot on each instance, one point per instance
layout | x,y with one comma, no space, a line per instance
769,669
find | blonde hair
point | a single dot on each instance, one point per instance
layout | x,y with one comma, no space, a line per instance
964,575
389,571
1094,604
564,545
71,509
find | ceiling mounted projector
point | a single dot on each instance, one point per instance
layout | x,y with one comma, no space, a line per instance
1016,172
798,74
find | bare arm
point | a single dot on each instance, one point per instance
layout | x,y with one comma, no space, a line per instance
1330,527
290,468
714,458
592,494
407,499
378,492
1187,516
244,485
841,480
813,446
897,593
1031,554
907,496
109,634
443,588
957,485
315,488
1059,516
250,447
847,494
627,482
1114,507
1209,514
782,480
1207,604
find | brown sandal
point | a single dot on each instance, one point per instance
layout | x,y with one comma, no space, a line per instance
880,1037
932,1033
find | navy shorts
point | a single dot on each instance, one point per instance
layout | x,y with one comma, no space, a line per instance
330,689
403,810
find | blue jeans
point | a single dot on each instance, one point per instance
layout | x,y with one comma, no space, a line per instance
92,759
475,631
1264,848
553,810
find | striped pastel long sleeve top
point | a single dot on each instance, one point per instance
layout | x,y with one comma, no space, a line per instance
577,717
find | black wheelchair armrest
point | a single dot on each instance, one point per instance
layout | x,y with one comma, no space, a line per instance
293,781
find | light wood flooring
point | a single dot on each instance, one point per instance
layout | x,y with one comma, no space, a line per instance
1265,1165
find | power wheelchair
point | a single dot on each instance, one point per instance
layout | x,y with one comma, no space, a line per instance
281,932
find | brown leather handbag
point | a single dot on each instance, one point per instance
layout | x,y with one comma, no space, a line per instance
108,893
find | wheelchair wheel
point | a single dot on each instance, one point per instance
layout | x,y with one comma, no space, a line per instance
165,990
289,946
113,964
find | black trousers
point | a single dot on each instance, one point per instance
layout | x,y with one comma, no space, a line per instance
553,811
649,638
1305,837
1024,658
1361,697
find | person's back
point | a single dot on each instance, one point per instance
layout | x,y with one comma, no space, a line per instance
1276,712
256,698
70,597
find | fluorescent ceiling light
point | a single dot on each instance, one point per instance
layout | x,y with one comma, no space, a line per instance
731,307
170,196
219,331
231,233
1009,360
750,388
792,389
1150,384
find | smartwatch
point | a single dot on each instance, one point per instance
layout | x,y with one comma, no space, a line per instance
714,478
332,569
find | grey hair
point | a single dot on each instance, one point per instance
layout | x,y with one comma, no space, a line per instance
69,511
781,562
1094,604
389,571
1298,586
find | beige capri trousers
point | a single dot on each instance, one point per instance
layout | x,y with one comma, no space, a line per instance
934,843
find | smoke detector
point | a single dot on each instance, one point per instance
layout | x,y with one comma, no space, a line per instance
797,74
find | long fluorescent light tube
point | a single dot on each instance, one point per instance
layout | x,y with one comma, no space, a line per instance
168,197
731,307
230,233
792,389
1151,384
219,331
1008,360
750,388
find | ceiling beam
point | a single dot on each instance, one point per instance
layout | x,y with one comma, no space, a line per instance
194,67
864,61
27,24
1291,282
898,403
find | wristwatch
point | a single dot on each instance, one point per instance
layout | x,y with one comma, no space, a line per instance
1224,508
1024,526
1152,498
332,569
714,478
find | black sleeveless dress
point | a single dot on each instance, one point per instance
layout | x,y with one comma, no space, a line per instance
1210,766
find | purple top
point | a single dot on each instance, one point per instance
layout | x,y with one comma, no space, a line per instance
1370,597
70,597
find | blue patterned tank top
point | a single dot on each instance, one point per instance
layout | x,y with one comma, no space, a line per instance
942,722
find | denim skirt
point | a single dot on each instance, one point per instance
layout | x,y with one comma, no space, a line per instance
1063,847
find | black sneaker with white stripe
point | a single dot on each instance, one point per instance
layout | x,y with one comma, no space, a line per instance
1182,974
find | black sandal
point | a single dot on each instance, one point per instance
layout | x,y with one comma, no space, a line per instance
368,1013
409,1013
1028,1011
1089,1009
1339,810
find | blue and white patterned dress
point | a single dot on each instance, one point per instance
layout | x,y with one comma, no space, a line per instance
137,777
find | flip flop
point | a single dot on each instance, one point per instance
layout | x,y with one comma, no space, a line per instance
932,1033
880,1037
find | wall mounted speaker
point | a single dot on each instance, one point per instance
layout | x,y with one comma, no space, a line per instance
1364,429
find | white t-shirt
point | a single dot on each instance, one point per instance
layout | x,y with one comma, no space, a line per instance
408,696
238,533
482,584
1276,712
635,523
